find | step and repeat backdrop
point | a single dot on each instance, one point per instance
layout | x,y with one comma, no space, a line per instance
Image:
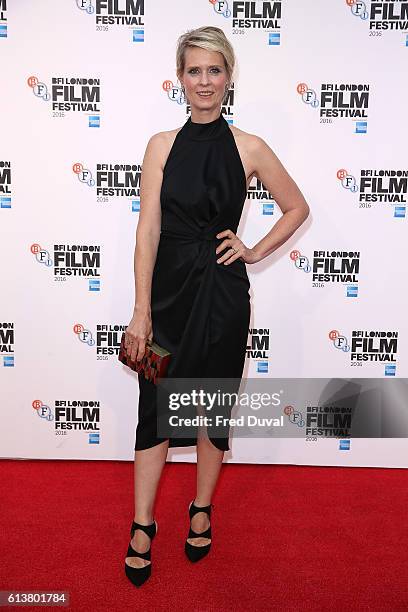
85,83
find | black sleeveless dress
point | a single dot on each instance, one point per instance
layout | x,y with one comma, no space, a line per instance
200,309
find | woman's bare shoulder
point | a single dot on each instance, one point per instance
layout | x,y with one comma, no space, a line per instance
159,144
249,141
165,137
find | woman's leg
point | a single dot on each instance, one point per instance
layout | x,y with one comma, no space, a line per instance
148,467
209,462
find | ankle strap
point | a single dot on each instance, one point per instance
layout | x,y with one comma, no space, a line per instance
150,530
194,509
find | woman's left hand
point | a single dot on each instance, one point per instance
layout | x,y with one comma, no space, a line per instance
236,249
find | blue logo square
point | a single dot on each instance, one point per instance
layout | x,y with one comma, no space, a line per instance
352,291
274,38
8,361
93,438
5,202
390,370
94,121
94,285
138,35
361,127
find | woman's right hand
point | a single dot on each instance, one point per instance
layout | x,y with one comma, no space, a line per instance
137,333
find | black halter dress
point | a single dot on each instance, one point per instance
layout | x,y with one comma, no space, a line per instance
200,309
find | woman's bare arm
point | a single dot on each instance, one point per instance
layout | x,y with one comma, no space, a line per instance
148,228
285,192
147,241
263,163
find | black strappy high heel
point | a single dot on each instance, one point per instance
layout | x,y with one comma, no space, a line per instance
139,575
195,553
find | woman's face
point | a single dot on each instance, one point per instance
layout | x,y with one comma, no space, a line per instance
204,78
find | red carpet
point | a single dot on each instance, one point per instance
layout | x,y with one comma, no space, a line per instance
284,537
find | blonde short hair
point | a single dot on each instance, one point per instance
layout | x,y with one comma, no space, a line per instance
210,38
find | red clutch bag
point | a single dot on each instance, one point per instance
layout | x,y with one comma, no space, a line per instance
153,364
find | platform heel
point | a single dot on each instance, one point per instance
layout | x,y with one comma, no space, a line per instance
195,553
139,575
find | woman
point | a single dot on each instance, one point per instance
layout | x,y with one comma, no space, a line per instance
192,288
